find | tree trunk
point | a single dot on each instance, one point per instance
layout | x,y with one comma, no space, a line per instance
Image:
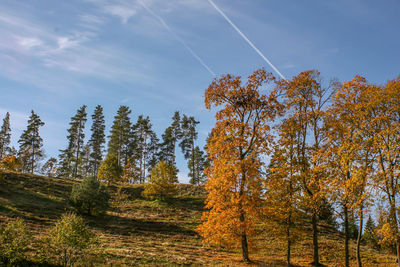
360,228
314,222
245,248
346,235
78,147
398,251
289,243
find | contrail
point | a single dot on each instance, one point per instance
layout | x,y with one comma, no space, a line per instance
246,39
178,38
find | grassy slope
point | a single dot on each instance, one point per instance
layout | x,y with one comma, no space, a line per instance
136,231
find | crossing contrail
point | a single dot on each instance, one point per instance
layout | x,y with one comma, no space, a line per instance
162,21
246,39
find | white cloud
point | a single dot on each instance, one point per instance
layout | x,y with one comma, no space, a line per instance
124,12
28,42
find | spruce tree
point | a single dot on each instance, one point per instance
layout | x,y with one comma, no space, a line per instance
197,164
30,149
120,136
189,135
171,135
5,136
145,144
97,140
74,150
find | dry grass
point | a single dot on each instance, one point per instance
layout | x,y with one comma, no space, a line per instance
140,232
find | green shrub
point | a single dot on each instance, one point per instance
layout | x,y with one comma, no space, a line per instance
90,197
69,242
14,241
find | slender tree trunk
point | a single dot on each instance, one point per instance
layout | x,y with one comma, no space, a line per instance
289,243
193,164
314,221
33,157
77,150
245,248
360,228
398,251
346,235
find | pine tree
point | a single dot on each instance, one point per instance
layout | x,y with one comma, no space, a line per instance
98,139
5,136
170,137
189,135
75,144
50,167
197,164
120,136
30,149
145,144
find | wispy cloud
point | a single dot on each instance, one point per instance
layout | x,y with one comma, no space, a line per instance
194,54
122,11
246,39
26,40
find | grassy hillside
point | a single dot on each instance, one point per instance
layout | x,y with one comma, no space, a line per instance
136,231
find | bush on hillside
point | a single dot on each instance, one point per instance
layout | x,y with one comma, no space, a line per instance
10,163
69,243
14,242
90,197
162,182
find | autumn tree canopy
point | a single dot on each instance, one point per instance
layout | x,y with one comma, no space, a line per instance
239,138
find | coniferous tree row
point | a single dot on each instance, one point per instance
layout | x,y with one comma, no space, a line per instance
30,150
5,136
136,146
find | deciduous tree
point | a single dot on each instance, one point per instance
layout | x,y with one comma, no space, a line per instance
162,181
110,170
240,138
306,100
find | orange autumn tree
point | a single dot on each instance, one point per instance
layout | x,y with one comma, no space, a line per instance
385,124
238,142
305,100
349,153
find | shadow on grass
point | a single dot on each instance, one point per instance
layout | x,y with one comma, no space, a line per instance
187,203
127,226
30,205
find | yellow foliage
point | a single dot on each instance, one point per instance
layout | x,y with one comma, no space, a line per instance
239,139
10,163
162,182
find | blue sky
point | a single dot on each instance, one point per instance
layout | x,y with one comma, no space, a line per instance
56,56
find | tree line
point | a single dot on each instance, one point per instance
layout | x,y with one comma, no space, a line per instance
133,149
278,158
